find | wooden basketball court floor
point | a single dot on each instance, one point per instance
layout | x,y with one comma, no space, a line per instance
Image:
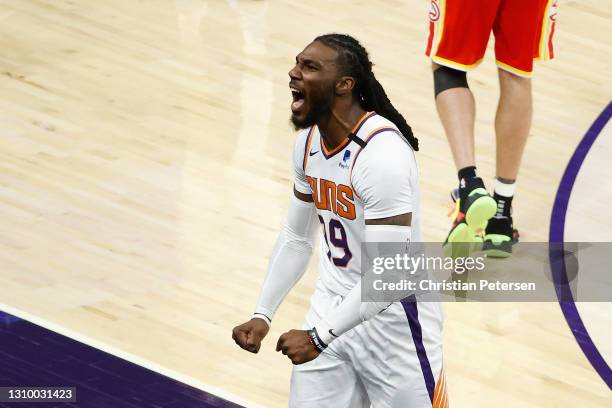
146,171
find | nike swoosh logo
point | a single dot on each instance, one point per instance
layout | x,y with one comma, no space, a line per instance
312,154
332,333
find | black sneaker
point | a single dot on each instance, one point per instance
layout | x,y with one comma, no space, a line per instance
499,237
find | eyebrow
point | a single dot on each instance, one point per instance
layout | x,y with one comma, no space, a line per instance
307,61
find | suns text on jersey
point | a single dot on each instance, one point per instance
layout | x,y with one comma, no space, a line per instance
330,196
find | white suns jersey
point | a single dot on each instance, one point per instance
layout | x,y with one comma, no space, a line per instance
350,184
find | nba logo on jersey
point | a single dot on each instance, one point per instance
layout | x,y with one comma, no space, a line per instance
344,163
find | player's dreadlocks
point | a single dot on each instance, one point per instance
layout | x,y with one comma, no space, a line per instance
354,60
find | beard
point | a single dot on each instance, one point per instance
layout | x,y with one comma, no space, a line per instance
320,102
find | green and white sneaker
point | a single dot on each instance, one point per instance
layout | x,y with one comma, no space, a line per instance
469,220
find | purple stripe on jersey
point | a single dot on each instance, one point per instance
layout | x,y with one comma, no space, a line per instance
385,129
370,115
34,356
412,313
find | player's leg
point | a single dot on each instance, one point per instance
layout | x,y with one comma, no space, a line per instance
457,110
512,124
329,380
459,33
326,381
473,205
398,355
515,50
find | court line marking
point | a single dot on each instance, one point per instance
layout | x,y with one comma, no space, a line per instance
210,389
557,229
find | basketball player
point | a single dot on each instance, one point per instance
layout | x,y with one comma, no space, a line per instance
458,36
356,177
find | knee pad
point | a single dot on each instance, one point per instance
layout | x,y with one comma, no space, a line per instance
447,78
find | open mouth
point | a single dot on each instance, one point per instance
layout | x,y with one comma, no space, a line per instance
298,99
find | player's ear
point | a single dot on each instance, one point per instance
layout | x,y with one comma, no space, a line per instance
345,85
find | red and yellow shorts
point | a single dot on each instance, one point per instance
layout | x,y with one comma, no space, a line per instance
459,32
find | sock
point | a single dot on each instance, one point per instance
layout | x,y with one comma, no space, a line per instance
504,192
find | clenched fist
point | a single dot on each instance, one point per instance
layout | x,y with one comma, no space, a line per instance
250,334
296,345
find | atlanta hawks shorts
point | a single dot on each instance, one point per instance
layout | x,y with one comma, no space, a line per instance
392,360
459,31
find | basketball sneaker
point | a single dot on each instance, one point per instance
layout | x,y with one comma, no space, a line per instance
500,236
473,209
